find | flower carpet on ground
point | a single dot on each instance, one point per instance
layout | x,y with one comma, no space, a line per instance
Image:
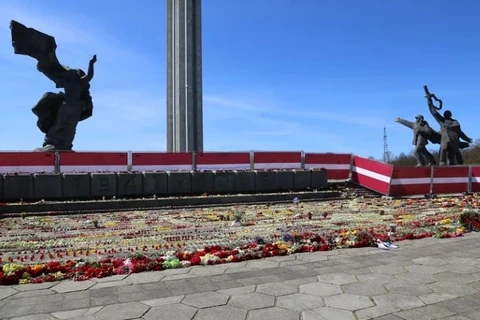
35,249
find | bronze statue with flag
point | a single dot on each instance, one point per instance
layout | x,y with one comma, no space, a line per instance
58,113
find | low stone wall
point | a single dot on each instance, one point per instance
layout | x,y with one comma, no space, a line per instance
78,186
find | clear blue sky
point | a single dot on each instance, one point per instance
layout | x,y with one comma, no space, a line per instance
313,75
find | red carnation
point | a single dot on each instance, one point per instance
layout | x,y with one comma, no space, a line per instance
195,260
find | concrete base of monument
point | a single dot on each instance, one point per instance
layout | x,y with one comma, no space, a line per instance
73,207
123,185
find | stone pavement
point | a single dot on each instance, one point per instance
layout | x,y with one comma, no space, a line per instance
423,279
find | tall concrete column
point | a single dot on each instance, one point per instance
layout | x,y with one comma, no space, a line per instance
184,76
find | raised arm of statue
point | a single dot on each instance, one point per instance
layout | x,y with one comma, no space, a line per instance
440,119
89,75
406,123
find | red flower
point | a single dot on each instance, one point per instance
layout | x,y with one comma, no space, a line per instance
11,279
155,265
324,247
195,260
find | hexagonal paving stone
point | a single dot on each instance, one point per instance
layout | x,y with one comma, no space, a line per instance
365,288
458,289
299,302
416,277
337,278
262,264
70,286
238,290
327,314
163,301
7,292
462,261
362,270
460,268
283,258
455,277
320,289
376,277
375,312
408,288
312,257
398,300
277,288
423,269
348,302
129,310
77,313
203,300
273,314
210,271
117,277
426,312
429,261
436,297
35,317
34,293
171,311
388,269
221,312
34,286
145,277
250,301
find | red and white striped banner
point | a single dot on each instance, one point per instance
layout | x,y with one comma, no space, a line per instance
93,161
27,162
475,178
337,165
223,161
407,181
450,180
372,174
162,161
277,160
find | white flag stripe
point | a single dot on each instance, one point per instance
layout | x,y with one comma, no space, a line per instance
371,174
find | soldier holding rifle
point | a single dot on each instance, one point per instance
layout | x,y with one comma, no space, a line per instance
421,134
450,131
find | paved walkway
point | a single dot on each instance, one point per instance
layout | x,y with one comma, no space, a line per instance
423,279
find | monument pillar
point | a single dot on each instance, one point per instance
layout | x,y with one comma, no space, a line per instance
184,76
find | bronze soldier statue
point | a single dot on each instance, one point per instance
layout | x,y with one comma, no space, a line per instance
450,131
421,134
58,113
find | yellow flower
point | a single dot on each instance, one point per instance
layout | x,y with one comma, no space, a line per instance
445,221
12,267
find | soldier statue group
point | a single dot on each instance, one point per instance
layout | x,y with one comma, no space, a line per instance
448,137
